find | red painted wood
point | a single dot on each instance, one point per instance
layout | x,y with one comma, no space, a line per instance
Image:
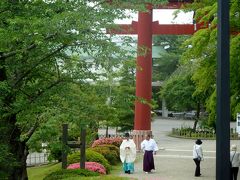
159,29
142,119
175,29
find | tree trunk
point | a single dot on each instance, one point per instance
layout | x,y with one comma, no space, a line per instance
20,152
17,168
195,124
106,131
197,116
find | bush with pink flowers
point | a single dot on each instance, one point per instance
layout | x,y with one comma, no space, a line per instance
91,156
91,166
113,141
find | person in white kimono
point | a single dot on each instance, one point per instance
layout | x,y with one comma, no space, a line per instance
149,146
128,154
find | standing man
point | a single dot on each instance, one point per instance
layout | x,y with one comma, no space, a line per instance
128,154
149,146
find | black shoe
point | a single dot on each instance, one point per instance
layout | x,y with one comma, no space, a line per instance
128,172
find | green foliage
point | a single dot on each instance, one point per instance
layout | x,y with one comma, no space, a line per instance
55,150
178,90
111,147
201,49
70,173
44,78
123,97
164,66
235,76
211,106
5,166
110,152
168,62
91,156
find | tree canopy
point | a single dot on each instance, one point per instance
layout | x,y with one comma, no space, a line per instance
200,55
43,77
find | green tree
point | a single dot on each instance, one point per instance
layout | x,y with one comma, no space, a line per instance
203,51
178,90
168,62
125,96
40,43
164,66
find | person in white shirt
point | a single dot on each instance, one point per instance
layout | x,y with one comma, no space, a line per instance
235,161
197,156
149,146
128,154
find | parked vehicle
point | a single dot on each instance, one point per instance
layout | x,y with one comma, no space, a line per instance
158,112
190,115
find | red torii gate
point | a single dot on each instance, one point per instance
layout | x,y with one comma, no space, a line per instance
145,28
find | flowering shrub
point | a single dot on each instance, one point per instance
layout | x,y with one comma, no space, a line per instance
91,156
91,166
114,141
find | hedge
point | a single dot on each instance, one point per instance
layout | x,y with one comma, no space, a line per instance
110,152
70,173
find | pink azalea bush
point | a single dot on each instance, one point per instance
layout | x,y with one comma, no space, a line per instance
113,141
91,166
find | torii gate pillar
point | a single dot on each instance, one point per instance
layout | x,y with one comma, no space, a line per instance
142,119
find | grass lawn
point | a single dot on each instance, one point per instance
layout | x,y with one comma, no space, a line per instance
108,177
39,172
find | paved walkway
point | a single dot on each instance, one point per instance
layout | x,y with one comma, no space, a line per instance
174,159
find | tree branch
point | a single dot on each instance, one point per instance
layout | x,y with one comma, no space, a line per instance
30,47
35,97
37,64
30,132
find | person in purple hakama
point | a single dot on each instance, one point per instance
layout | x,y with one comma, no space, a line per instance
149,146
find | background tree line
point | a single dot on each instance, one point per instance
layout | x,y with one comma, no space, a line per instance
193,84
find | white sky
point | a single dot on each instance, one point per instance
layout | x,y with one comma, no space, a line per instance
164,16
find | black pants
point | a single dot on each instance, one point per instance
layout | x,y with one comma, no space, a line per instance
197,170
234,173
